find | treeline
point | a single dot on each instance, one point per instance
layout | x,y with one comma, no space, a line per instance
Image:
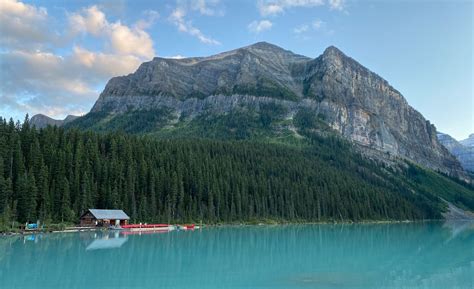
55,174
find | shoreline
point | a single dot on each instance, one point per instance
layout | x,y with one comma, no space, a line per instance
261,223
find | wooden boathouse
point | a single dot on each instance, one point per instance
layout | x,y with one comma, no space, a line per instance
103,218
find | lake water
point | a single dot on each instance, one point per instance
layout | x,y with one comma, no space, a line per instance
414,255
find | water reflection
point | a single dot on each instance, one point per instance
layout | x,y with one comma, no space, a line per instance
107,240
419,255
458,226
31,238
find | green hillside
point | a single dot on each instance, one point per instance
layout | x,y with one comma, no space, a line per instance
55,174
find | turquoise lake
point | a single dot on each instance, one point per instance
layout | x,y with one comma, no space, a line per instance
410,255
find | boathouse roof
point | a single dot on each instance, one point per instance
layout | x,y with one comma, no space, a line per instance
109,214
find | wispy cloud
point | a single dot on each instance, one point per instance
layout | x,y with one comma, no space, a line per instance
151,16
318,24
303,30
337,4
180,17
207,7
259,26
275,7
178,56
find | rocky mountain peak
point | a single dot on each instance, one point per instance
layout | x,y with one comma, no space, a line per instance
263,46
463,150
469,141
355,102
70,117
42,121
332,56
272,54
333,51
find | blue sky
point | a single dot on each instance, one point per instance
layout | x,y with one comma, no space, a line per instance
56,56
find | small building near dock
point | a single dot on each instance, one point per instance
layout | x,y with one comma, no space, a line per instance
103,218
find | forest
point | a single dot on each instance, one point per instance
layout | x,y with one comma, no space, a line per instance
55,174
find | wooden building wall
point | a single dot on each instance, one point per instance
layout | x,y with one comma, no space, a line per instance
88,220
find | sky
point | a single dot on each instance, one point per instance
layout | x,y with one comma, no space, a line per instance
57,56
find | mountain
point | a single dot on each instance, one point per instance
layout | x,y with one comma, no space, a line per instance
469,142
263,90
42,121
254,134
463,150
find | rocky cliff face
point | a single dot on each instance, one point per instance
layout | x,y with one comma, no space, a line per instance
462,150
42,121
354,101
469,142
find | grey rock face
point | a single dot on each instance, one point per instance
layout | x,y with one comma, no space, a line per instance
42,121
225,73
354,101
463,151
456,214
469,142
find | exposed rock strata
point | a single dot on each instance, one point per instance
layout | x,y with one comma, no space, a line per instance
463,150
356,102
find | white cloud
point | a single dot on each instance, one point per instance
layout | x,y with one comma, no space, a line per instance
206,7
103,65
260,26
337,4
179,56
151,17
301,29
270,9
126,40
36,78
122,39
274,7
178,18
318,23
23,26
45,81
89,20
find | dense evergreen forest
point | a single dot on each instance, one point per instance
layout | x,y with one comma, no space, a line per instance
54,174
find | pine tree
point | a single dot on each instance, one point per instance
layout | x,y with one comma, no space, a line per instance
56,174
26,191
44,196
66,213
3,189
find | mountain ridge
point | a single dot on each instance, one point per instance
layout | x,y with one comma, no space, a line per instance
42,121
354,101
462,150
468,141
